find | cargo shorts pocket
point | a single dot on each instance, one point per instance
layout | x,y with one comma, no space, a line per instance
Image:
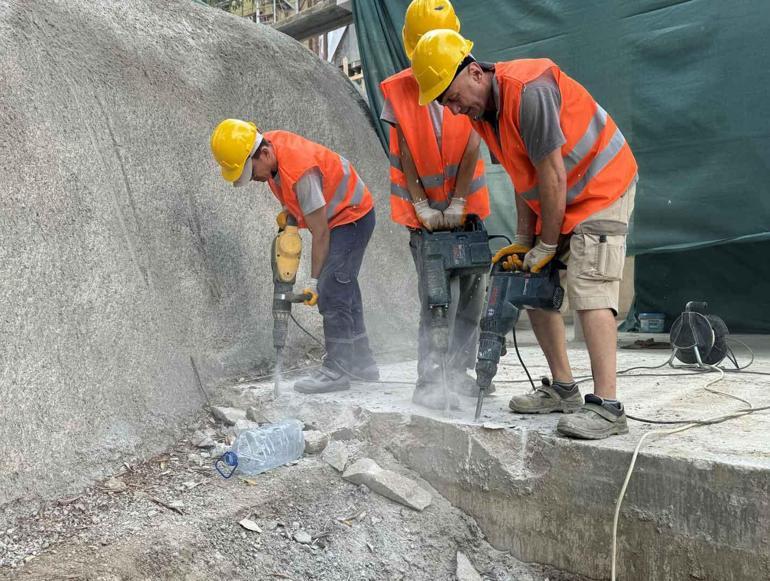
598,256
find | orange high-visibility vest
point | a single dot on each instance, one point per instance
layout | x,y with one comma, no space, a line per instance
347,197
436,168
598,160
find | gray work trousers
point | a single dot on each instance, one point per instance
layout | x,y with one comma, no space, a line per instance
467,294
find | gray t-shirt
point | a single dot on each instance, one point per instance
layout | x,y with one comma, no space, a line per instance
436,116
539,117
309,190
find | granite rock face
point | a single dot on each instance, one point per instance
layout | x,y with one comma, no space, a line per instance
129,268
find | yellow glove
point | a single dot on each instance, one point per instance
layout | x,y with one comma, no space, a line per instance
281,219
312,290
539,256
514,253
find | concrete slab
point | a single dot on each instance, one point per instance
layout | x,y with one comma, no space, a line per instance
697,505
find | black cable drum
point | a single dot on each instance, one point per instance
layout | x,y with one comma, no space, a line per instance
706,332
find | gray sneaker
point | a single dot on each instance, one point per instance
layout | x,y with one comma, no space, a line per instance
547,399
596,420
322,380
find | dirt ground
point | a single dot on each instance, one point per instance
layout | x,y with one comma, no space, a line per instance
174,517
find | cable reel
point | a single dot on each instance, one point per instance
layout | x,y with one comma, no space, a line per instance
699,338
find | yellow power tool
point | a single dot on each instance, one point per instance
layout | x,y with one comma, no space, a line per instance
285,254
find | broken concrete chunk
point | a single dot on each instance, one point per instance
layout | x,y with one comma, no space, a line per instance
303,537
255,414
242,425
202,440
250,525
343,434
388,483
315,441
228,415
336,454
465,569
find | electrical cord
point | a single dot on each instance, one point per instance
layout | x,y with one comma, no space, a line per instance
682,425
687,426
518,354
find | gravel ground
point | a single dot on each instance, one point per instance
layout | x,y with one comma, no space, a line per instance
173,517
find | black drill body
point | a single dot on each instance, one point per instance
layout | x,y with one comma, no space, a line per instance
446,254
509,292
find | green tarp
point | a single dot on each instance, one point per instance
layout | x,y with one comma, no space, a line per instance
687,82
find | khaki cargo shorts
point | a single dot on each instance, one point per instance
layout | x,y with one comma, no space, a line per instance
597,254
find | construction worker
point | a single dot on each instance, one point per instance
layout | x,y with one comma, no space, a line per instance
325,194
437,181
575,179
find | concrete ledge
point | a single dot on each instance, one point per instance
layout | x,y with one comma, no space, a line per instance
698,504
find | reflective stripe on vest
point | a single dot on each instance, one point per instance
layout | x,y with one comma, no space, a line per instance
346,197
581,150
436,163
342,189
597,159
395,161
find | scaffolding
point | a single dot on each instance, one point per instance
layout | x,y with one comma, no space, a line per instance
264,11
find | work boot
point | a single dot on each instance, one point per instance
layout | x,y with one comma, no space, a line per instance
597,419
547,399
323,380
431,396
462,383
367,372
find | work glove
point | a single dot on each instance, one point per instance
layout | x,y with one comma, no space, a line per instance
430,218
311,288
513,254
536,259
454,215
281,219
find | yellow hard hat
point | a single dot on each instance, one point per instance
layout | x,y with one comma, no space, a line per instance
233,142
435,61
425,15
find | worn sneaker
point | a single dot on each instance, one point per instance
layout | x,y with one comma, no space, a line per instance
597,419
462,383
546,399
431,396
368,372
322,380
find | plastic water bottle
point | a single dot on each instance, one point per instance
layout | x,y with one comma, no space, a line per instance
258,450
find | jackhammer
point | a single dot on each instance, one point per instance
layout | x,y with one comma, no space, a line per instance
508,292
285,254
446,254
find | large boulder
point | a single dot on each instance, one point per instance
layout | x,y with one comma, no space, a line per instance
125,261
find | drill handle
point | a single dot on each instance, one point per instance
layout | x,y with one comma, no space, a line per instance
299,297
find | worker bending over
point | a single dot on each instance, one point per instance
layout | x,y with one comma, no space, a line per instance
325,194
575,179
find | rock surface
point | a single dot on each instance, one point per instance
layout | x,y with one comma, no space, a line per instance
132,278
228,416
388,483
315,441
465,569
336,455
